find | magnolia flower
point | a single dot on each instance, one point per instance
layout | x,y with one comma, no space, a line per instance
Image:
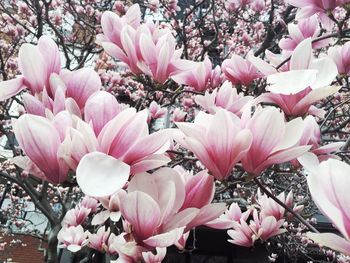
305,28
304,72
160,59
218,149
111,204
341,57
305,83
99,241
178,115
142,47
197,77
231,215
149,257
274,140
156,111
36,64
266,227
160,207
311,7
242,234
239,70
49,86
269,207
328,182
76,216
312,136
41,140
226,97
73,238
125,137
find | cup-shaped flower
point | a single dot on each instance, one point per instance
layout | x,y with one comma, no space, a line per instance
304,72
305,28
73,238
225,97
197,77
41,141
219,149
341,57
231,215
274,139
311,7
36,64
160,209
239,70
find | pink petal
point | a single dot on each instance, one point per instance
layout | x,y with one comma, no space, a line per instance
32,65
165,239
100,108
142,212
40,141
51,55
332,241
81,84
10,88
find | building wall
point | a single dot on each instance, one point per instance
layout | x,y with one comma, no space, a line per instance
21,249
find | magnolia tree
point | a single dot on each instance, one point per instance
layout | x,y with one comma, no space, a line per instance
132,124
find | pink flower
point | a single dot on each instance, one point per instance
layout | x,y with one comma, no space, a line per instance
125,137
258,5
36,64
127,249
274,140
233,214
226,97
156,111
178,115
266,227
159,58
341,57
312,136
268,207
304,72
98,241
305,83
328,182
311,7
90,203
197,77
305,28
49,86
216,77
239,70
76,216
161,207
111,204
218,149
73,238
41,140
242,234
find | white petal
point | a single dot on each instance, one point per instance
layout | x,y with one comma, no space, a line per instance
100,175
